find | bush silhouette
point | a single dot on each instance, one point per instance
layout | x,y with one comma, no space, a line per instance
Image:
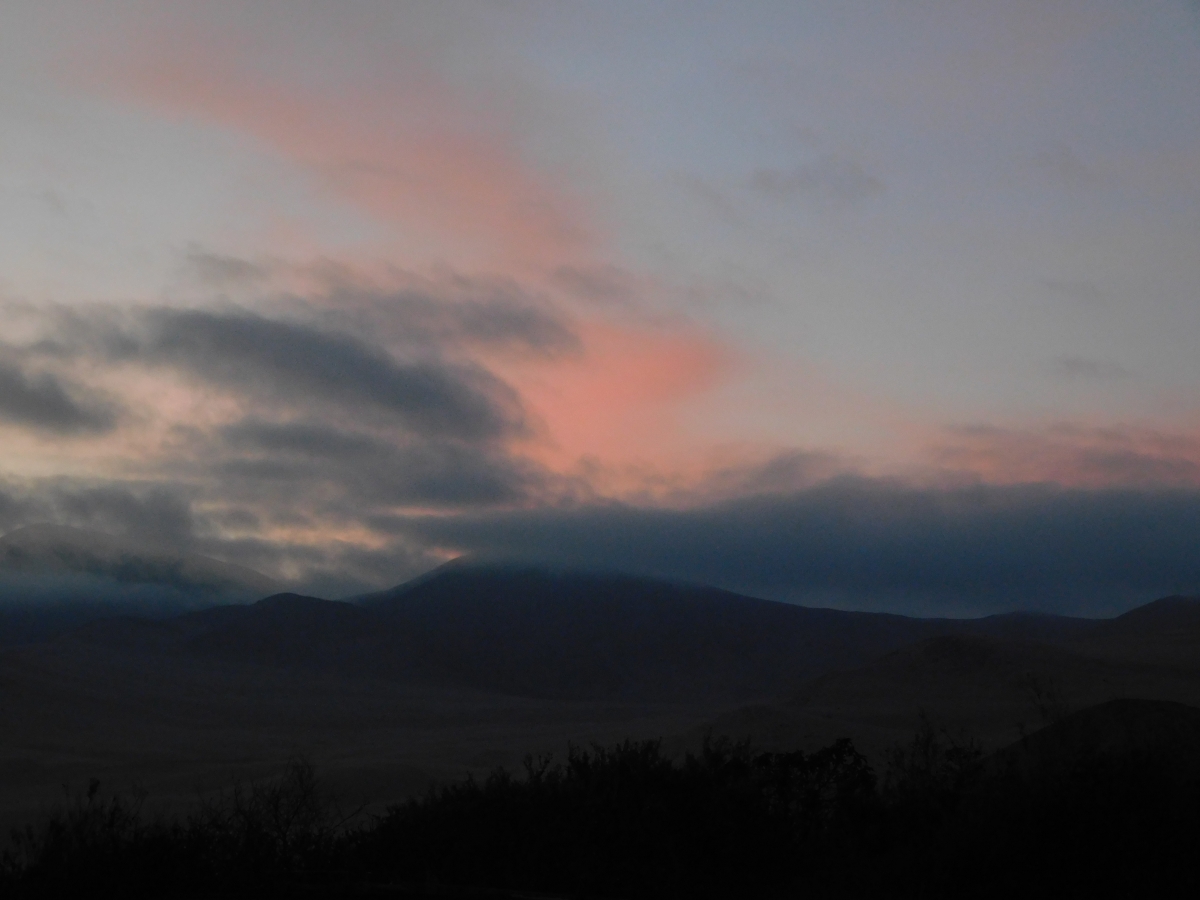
627,818
281,829
629,821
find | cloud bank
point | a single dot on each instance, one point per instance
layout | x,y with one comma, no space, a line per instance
343,453
848,315
870,544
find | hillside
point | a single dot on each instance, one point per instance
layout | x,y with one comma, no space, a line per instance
473,666
1162,731
1165,632
529,630
985,689
563,635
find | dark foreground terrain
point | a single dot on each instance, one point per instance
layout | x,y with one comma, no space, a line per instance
474,667
1042,741
1105,802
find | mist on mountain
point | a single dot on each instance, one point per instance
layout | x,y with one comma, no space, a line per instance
54,577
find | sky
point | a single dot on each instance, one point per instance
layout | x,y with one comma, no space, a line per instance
884,305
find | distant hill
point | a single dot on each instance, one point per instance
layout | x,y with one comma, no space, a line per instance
992,690
566,631
1164,731
1165,632
562,635
472,666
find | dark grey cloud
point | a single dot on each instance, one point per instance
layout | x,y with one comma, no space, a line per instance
15,507
159,516
366,471
828,178
44,402
781,473
339,427
348,570
155,513
300,363
867,544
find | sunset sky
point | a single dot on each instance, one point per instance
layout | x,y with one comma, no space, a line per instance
886,305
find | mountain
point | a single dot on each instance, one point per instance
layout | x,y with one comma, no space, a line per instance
1165,632
472,666
533,629
54,578
989,689
1160,730
561,634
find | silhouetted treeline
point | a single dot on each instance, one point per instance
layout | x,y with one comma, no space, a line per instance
627,821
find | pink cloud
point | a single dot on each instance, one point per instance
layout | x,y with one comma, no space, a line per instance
615,400
1073,455
411,154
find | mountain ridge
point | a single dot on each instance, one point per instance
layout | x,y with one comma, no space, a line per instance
564,634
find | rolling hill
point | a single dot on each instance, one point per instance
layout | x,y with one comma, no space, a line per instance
561,635
473,666
1164,632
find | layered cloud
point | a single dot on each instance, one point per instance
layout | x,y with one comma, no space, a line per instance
872,544
357,434
45,402
421,295
827,178
342,463
293,363
1074,455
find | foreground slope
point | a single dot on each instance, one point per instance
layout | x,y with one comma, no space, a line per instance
127,702
472,667
979,688
1162,732
1164,632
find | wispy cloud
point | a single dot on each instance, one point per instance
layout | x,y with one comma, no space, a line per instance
1084,368
829,178
1065,454
410,152
221,270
